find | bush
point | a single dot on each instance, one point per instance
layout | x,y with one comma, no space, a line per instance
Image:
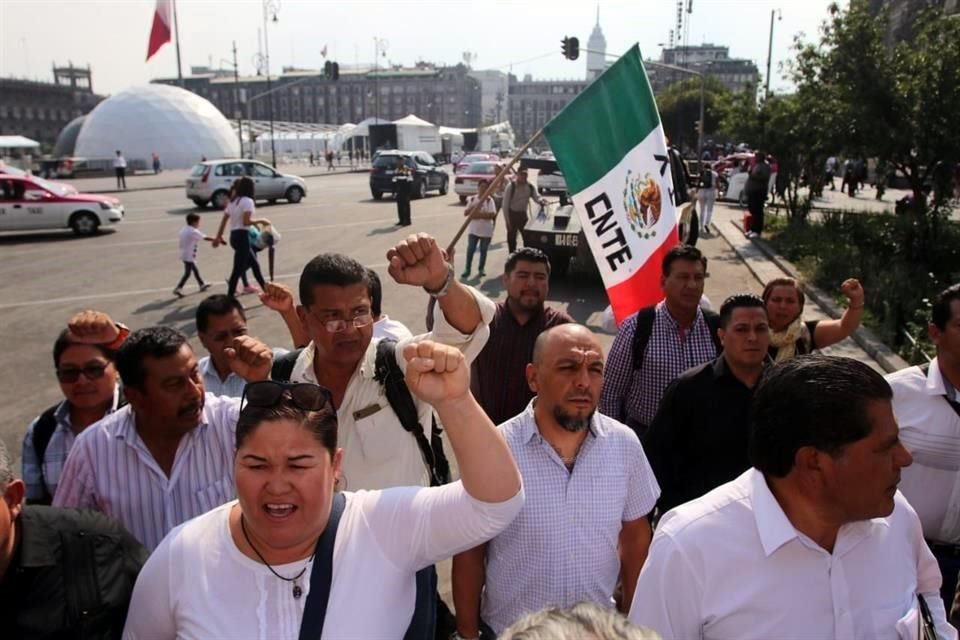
903,262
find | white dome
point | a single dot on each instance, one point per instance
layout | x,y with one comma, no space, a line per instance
177,125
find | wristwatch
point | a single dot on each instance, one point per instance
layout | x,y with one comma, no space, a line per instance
445,288
122,333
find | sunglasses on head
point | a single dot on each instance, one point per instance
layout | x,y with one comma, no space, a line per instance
266,394
69,375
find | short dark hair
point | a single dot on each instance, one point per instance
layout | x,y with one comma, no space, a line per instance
64,342
193,217
682,252
322,424
243,188
940,313
527,254
153,342
783,282
376,293
219,304
815,400
739,301
334,269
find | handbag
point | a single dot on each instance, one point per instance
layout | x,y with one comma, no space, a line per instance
315,609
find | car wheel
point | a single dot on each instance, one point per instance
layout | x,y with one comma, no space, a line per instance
422,189
463,199
444,187
200,203
294,195
376,194
84,223
219,200
690,231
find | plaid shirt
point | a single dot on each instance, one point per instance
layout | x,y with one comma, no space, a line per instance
632,396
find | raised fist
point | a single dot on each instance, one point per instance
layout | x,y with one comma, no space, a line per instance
249,358
92,327
418,261
436,372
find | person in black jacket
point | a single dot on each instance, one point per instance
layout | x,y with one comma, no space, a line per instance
64,574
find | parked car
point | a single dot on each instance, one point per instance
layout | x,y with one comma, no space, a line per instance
14,171
28,202
735,188
427,174
467,181
551,180
470,158
210,181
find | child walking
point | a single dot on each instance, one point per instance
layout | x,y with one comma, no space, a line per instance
480,231
190,237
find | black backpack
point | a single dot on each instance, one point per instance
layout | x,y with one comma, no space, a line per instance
387,372
706,179
641,334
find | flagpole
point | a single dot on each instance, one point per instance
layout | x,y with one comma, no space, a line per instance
176,30
474,208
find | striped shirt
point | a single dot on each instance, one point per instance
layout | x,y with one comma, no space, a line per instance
38,474
562,548
498,378
632,396
110,470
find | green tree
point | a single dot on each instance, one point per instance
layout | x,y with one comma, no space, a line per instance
679,106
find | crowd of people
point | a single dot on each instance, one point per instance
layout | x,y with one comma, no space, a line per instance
711,477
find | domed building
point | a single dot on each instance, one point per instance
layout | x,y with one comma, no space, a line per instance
179,126
67,140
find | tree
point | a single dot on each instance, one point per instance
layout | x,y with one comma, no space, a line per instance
679,106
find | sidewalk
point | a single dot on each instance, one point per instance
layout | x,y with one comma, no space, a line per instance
765,265
175,178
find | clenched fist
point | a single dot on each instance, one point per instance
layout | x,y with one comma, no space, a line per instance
278,297
92,327
418,261
250,359
436,372
852,288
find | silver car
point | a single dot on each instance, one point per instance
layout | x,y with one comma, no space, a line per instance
210,181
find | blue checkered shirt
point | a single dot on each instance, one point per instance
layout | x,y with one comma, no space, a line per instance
632,396
562,548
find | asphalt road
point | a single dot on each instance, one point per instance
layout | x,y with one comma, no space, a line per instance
130,272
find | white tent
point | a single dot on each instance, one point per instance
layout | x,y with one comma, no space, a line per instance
412,120
17,142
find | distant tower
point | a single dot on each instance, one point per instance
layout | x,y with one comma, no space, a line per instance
596,62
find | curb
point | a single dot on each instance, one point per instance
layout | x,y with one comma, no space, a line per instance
863,336
180,186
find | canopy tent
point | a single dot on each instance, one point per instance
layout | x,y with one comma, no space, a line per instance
17,142
412,120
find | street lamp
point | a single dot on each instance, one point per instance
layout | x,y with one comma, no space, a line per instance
766,93
269,7
379,46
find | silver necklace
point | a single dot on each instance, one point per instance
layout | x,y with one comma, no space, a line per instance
297,590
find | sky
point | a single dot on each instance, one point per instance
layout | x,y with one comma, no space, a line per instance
111,35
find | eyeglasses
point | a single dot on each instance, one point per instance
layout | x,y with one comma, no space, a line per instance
266,394
336,326
70,375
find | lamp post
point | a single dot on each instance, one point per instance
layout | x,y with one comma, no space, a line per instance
269,6
766,93
238,113
379,46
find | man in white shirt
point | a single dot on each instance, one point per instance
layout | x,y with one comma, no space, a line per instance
168,455
588,491
336,310
926,404
120,168
383,325
814,541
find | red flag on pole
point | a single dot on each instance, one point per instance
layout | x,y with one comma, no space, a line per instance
160,32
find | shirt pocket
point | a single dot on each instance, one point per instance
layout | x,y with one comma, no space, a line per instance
214,495
381,435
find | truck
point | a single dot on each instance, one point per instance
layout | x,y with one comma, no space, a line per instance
406,138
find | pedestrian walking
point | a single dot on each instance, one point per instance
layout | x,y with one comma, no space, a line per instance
330,161
311,158
189,240
706,196
758,184
120,169
830,169
516,200
156,163
402,190
239,214
480,230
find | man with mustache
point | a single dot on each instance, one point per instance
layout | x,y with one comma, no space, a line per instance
588,490
498,379
168,455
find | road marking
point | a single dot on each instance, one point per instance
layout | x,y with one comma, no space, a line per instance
137,292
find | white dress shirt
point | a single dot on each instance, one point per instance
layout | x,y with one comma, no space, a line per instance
387,327
110,470
198,585
377,452
731,566
930,430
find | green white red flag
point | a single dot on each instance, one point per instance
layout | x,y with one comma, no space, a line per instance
610,145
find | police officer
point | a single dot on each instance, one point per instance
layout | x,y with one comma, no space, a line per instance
403,185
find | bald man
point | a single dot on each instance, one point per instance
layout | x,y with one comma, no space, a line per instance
589,490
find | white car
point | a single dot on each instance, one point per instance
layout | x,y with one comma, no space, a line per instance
210,182
28,202
736,188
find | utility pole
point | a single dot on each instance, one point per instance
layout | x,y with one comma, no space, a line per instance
236,96
176,28
267,6
766,93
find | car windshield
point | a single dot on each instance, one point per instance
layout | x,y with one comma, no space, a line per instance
49,186
482,168
476,158
385,161
197,171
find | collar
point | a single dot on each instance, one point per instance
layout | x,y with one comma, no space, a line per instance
937,385
722,370
529,430
36,543
207,369
62,413
125,427
303,368
663,311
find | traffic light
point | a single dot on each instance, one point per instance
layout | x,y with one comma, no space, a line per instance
331,70
571,47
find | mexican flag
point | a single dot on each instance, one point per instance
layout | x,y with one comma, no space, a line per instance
160,31
610,145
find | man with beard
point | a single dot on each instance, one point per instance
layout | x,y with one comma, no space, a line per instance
588,491
168,455
498,380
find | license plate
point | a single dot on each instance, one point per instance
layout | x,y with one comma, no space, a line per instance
567,240
388,172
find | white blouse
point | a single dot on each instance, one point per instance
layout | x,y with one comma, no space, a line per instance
197,584
236,209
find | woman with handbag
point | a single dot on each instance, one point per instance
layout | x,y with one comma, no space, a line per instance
292,557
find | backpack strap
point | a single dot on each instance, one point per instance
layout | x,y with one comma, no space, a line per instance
315,608
283,366
42,433
713,323
641,334
388,373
